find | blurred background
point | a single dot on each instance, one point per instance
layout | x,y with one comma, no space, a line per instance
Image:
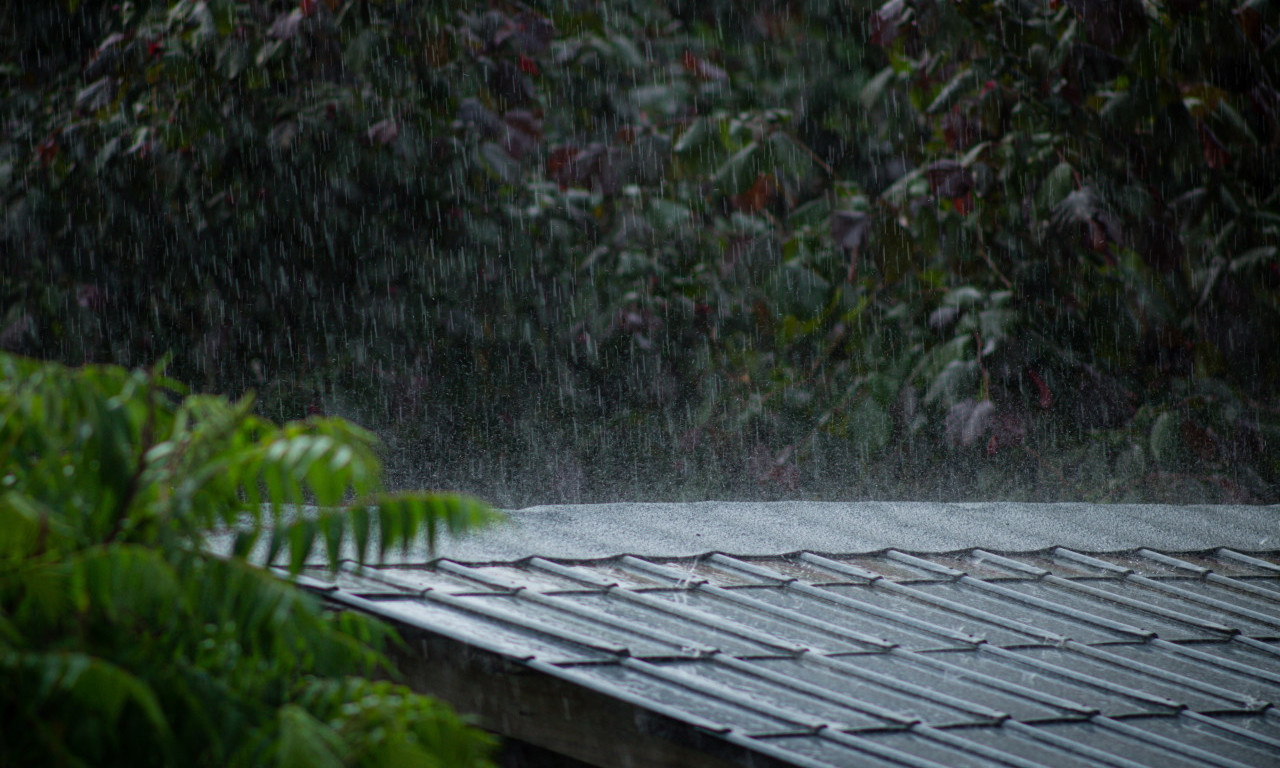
578,252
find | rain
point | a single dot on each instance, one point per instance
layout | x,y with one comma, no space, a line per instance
570,252
745,331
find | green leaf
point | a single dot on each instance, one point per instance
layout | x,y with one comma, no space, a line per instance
1055,187
1165,438
963,296
305,742
739,171
870,426
963,82
696,135
875,87
302,537
500,164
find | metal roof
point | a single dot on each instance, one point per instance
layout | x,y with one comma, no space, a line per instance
976,657
762,528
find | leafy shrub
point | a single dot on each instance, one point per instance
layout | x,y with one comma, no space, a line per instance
946,233
124,642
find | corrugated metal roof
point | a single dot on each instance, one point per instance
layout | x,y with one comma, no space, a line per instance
1055,657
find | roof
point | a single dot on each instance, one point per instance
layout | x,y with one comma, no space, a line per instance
1117,655
762,528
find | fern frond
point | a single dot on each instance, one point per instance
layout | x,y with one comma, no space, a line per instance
403,520
96,686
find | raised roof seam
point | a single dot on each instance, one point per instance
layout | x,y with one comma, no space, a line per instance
839,567
893,683
879,750
850,602
995,682
1073,746
512,619
662,571
707,620
1174,562
979,584
1156,672
724,693
1217,661
938,602
1083,678
1008,563
797,684
1222,725
1256,562
1140,605
991,753
1092,562
1209,758
1209,602
928,565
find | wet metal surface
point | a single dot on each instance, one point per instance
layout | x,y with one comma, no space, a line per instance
978,657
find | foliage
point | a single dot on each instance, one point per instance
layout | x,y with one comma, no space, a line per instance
1032,236
124,642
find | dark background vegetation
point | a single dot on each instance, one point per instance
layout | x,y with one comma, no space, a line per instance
578,251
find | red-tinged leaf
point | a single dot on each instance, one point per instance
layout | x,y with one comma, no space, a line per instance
595,166
1098,239
1215,154
308,7
964,204
525,121
1250,20
626,135
958,131
1084,214
1199,439
701,68
438,50
757,196
581,166
528,65
523,132
533,33
1071,93
993,445
47,150
948,178
558,161
1042,389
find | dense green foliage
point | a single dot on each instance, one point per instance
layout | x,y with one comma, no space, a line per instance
1013,248
122,642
